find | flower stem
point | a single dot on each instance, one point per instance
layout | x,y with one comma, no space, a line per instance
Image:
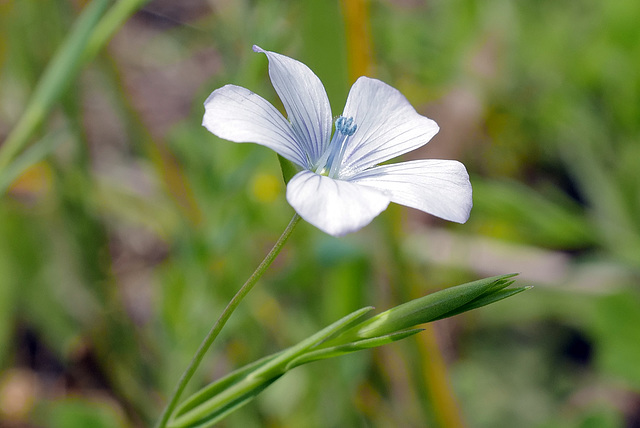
222,320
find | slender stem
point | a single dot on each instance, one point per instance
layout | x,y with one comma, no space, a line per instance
222,320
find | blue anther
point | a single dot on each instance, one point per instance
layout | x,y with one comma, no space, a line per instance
346,126
329,163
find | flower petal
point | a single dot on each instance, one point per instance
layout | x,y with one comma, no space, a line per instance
237,114
438,187
305,100
388,125
334,206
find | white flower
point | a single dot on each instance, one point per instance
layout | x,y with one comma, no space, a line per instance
340,187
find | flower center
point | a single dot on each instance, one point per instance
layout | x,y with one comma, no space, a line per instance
330,162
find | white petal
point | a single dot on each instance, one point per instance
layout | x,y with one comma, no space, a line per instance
305,100
237,114
438,187
388,125
334,206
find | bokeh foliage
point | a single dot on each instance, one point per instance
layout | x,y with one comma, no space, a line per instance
120,248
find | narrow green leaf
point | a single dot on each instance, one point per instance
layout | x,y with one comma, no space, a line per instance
89,34
109,24
220,412
336,351
277,364
220,385
59,73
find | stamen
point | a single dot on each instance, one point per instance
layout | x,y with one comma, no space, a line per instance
330,162
346,126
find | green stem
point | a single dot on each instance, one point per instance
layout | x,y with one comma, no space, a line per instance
222,320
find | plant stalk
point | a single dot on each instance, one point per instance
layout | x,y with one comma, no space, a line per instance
222,320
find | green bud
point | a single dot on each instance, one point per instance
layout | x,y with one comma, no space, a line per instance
442,304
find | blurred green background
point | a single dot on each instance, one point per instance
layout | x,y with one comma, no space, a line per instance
129,226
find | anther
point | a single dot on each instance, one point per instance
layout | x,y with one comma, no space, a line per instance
346,126
331,160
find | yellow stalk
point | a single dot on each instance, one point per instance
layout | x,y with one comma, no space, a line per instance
358,33
436,380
